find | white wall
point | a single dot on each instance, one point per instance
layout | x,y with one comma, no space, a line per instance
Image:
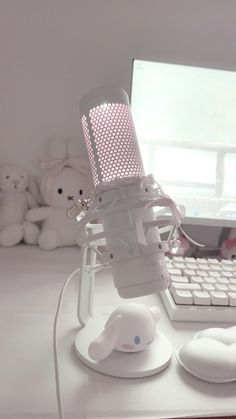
52,51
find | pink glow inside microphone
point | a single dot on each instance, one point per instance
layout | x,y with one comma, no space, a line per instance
110,136
138,267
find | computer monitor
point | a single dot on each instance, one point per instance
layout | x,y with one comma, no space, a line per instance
185,118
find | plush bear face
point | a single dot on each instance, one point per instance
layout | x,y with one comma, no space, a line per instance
13,179
68,186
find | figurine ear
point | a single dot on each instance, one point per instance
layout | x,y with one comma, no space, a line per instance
104,344
155,312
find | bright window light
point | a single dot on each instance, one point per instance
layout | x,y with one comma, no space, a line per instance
186,126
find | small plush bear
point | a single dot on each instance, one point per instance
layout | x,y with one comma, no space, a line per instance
65,180
18,193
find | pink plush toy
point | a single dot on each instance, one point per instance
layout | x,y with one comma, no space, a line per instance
228,247
65,179
18,193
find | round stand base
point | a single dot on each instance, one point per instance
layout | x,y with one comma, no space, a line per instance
123,364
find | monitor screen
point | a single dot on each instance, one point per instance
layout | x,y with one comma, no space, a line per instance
185,118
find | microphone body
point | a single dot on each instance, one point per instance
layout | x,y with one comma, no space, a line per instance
136,273
123,193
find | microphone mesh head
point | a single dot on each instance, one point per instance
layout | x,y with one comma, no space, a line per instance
111,141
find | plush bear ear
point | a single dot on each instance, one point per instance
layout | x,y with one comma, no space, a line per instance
104,344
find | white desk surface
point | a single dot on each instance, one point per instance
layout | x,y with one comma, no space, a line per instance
30,282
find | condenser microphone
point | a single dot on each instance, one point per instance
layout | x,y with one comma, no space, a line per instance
124,196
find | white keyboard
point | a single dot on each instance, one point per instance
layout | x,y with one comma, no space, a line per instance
201,290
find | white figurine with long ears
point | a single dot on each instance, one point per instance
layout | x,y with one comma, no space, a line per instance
130,328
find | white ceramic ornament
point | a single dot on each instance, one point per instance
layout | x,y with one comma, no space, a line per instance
130,328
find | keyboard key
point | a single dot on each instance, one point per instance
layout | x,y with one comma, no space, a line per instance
221,287
174,271
191,266
169,265
202,273
184,286
180,278
213,262
189,272
196,279
222,280
217,268
183,297
227,274
201,298
204,267
210,280
178,258
208,287
228,262
228,268
215,274
201,261
219,298
232,288
232,299
179,265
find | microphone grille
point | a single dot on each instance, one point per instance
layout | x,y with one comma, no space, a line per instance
112,143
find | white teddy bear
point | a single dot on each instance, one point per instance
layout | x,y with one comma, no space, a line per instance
66,179
18,193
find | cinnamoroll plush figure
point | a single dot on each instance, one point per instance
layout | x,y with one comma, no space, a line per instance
18,193
130,328
63,182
